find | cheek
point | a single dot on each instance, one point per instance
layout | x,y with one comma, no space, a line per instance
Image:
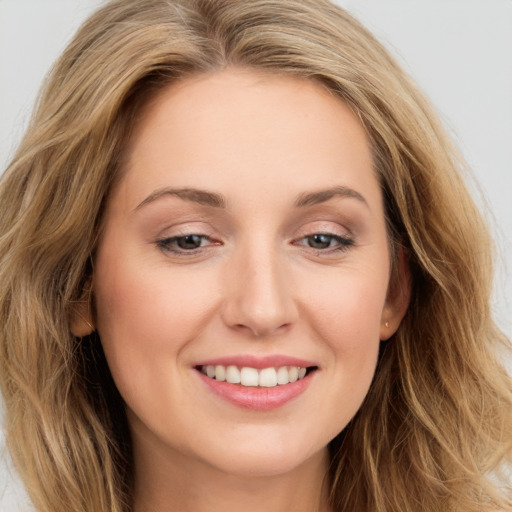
345,318
131,299
347,311
146,318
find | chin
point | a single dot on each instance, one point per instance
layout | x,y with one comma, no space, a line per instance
263,456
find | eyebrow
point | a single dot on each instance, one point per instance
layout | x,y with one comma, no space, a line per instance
215,200
195,195
321,196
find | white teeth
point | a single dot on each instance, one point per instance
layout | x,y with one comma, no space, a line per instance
247,376
233,375
283,375
220,372
268,378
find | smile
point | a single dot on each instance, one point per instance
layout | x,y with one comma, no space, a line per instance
254,377
257,383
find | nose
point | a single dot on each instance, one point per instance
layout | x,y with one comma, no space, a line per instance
259,298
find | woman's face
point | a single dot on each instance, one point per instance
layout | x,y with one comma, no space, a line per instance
246,239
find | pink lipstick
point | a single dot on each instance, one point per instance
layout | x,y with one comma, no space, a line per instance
257,383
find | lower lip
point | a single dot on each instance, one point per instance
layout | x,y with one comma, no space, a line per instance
257,398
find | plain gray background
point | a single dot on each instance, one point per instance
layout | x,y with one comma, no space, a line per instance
460,52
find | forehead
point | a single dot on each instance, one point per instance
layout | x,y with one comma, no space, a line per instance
241,124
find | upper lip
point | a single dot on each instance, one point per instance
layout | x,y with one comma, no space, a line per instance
258,362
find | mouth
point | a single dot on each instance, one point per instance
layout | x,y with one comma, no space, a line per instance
248,376
257,383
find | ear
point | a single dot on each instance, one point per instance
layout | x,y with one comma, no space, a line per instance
82,322
398,297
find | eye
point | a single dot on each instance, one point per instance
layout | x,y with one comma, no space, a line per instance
323,241
184,243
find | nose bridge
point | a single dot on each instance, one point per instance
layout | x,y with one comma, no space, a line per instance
260,298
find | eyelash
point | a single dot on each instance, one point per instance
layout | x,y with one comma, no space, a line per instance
343,242
170,244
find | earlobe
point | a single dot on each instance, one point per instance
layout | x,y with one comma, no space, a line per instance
81,322
398,297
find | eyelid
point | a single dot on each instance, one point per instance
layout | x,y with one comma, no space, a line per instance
165,243
344,242
324,227
183,228
343,237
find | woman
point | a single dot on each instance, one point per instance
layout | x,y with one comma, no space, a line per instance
236,261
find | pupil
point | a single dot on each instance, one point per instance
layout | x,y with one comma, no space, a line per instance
319,241
189,242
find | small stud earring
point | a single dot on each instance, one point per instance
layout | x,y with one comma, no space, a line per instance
387,324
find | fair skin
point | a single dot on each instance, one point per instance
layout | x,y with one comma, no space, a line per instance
278,257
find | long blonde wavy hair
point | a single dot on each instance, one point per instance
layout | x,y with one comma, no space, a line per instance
436,426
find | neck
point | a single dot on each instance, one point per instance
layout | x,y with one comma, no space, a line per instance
165,483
